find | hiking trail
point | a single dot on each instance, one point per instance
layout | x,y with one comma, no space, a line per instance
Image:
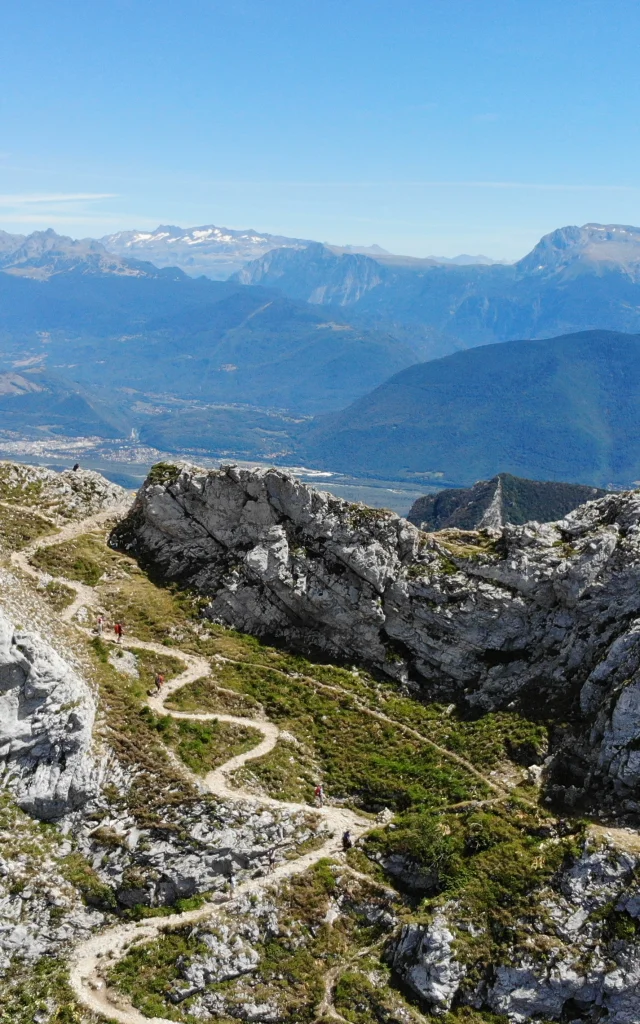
113,943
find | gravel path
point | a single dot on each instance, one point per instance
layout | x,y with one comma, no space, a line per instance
113,943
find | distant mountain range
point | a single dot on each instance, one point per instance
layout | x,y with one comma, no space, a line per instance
503,499
213,251
574,279
43,254
565,408
220,252
243,365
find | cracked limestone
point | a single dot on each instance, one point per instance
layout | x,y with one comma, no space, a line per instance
46,717
533,617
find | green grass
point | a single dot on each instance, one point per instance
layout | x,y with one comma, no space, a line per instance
493,862
58,595
19,528
38,990
288,772
468,544
85,559
203,746
374,764
129,730
77,870
146,973
202,695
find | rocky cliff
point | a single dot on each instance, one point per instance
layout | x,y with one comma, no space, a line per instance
542,618
46,717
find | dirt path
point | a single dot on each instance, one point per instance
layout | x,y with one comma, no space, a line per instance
85,596
85,975
110,945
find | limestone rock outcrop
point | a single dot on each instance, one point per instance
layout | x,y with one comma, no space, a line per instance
46,717
592,907
71,494
536,616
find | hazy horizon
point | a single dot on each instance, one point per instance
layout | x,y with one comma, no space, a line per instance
425,128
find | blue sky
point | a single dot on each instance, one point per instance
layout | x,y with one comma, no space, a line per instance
430,127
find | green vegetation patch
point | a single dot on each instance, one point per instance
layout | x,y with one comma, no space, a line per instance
164,473
471,544
151,612
77,870
290,771
38,991
202,695
18,528
292,965
58,595
131,733
15,485
361,758
492,861
203,746
147,973
85,559
366,998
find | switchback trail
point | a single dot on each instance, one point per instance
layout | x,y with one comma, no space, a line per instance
85,976
108,946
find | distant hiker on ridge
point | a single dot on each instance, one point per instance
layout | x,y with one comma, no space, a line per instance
319,795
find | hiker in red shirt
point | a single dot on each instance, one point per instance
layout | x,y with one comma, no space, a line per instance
118,630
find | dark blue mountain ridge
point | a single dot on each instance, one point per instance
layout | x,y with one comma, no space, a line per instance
565,408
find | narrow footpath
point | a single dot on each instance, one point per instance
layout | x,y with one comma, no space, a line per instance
112,943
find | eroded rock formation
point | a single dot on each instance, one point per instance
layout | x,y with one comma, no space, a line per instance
46,717
592,907
539,617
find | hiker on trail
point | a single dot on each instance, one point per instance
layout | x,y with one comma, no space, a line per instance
118,630
159,681
99,624
271,862
319,795
347,841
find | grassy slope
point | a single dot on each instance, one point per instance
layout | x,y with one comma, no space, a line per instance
491,861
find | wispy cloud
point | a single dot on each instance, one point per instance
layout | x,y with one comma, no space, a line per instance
28,198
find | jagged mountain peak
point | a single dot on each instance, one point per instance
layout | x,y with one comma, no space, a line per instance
315,274
207,249
591,246
494,503
43,254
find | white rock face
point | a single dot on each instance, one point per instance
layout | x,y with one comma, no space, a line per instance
46,717
574,966
552,611
424,958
